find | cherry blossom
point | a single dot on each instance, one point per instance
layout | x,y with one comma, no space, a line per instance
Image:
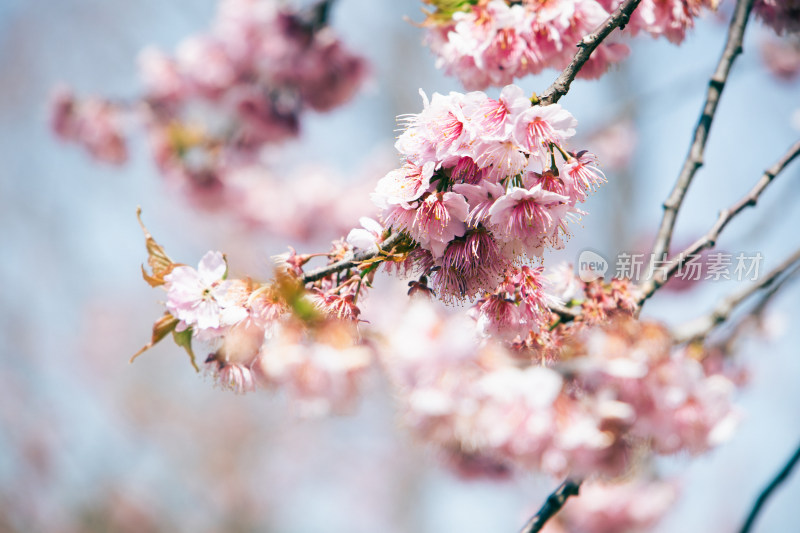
783,16
225,95
367,236
604,507
489,174
199,297
494,42
610,387
94,123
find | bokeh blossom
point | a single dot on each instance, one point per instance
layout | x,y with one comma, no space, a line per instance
609,389
213,108
783,16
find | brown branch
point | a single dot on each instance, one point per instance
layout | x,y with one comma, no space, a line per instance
694,159
766,298
769,489
586,46
709,240
551,506
353,259
755,315
701,327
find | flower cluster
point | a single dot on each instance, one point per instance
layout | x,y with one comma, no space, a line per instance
781,15
485,183
493,42
670,19
266,334
226,95
612,388
257,70
517,307
95,124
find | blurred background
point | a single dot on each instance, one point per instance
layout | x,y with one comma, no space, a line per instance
91,443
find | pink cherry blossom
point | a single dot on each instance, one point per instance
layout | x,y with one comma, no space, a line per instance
604,507
495,117
539,126
503,158
530,217
93,123
404,184
439,218
233,376
583,175
467,171
367,236
480,197
321,375
468,266
781,57
213,106
197,297
783,16
493,43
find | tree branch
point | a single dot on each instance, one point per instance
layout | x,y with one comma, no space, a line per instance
551,506
353,259
769,489
694,159
586,46
755,315
725,216
699,328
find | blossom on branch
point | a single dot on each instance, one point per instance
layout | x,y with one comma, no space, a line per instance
609,389
486,183
494,42
212,108
94,123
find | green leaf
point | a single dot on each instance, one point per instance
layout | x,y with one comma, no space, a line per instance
184,340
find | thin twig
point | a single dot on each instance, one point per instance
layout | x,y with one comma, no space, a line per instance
551,506
701,327
755,315
587,45
709,240
766,298
353,259
769,489
694,159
